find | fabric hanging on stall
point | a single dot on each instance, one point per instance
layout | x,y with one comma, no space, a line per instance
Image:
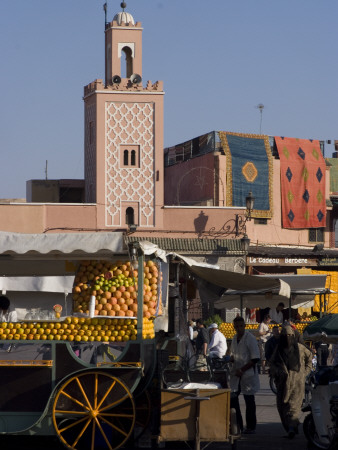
303,168
249,169
252,315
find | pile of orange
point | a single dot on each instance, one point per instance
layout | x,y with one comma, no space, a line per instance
228,329
148,331
115,288
78,329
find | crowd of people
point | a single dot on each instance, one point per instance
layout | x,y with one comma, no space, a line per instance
279,351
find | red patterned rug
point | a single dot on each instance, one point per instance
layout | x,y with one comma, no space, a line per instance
302,168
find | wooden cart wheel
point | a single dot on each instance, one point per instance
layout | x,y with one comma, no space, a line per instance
93,411
143,413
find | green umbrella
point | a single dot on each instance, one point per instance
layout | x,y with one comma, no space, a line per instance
324,329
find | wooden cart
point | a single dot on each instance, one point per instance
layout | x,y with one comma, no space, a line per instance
199,415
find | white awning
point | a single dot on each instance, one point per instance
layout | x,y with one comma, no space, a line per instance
60,243
244,282
24,254
303,289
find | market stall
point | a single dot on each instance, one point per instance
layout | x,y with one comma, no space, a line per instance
85,375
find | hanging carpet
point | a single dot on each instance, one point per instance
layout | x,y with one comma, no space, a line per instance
249,169
333,174
302,169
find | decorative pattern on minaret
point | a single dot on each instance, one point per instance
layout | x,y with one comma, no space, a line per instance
129,124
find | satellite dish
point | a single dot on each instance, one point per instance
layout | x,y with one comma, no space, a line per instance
116,79
136,78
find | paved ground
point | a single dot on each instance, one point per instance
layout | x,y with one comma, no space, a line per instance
270,433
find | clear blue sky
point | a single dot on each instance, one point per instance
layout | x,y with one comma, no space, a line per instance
218,60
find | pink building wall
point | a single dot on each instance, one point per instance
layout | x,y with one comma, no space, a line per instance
178,221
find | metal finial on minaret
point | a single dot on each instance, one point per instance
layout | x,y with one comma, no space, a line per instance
123,5
105,7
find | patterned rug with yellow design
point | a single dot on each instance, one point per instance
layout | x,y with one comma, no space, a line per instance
249,169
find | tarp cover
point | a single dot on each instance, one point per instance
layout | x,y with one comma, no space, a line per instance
324,329
65,243
239,281
303,288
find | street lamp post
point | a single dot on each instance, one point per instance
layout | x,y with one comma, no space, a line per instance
239,221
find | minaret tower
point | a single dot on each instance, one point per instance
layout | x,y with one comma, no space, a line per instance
124,134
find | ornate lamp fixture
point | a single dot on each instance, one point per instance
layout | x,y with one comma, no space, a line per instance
236,226
240,221
249,202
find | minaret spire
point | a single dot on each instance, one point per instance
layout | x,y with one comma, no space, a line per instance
105,8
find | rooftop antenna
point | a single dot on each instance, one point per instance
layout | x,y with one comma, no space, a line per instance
105,8
260,106
46,170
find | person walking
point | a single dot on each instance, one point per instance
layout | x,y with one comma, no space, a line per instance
244,355
202,338
191,333
272,342
264,334
322,352
334,354
290,363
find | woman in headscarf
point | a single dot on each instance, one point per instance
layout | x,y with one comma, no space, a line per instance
289,365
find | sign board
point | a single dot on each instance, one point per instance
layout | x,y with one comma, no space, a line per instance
276,261
328,262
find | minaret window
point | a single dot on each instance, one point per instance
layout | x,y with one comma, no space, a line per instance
133,158
127,70
126,158
130,220
130,156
